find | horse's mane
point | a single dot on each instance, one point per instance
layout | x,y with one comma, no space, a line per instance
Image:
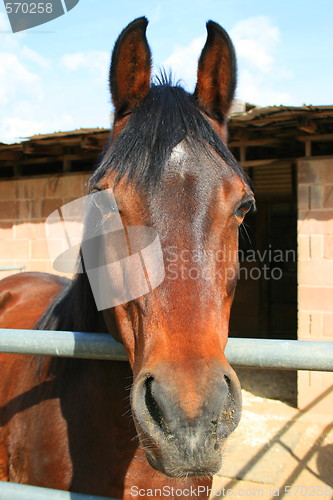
73,310
167,116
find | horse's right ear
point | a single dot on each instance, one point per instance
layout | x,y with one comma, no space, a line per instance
130,67
216,83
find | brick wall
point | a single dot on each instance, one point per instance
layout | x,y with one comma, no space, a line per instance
24,206
315,271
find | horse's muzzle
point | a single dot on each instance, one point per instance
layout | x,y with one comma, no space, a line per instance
182,431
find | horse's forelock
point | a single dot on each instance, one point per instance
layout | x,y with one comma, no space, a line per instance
167,116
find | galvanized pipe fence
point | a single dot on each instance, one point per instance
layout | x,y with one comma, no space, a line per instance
256,353
12,268
251,353
13,491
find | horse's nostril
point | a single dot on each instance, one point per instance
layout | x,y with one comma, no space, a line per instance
151,403
228,381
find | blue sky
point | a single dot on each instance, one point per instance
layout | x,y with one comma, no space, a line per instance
54,77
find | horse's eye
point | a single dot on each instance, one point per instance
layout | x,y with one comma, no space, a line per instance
104,203
245,207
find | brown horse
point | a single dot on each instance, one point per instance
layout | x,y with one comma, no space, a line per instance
158,423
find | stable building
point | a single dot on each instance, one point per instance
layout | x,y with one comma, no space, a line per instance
285,288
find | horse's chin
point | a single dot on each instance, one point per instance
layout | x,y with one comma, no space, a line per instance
175,461
179,472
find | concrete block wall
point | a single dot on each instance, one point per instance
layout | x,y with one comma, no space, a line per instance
315,272
24,206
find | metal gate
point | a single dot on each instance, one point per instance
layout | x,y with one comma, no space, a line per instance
259,353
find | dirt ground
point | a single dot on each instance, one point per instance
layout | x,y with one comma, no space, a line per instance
277,451
272,384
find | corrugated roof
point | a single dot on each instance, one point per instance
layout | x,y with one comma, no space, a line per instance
79,131
262,115
273,112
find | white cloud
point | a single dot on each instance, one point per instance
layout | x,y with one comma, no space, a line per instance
94,61
38,95
18,127
8,41
252,88
16,79
184,62
21,85
33,56
256,40
259,77
259,80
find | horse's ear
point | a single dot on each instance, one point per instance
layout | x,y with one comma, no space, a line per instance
216,83
130,67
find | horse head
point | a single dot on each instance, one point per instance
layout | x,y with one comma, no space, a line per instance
169,169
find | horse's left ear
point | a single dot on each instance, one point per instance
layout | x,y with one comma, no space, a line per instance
216,83
130,67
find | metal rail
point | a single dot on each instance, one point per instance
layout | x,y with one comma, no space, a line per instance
12,268
12,491
259,353
278,354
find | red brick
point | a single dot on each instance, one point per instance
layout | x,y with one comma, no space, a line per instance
328,247
29,230
303,325
76,210
303,247
316,196
73,185
6,230
50,205
319,171
306,174
68,200
315,222
38,265
31,189
314,272
310,325
316,324
313,388
36,210
14,250
51,270
8,210
328,326
328,196
39,250
24,209
315,298
316,246
55,187
7,191
303,197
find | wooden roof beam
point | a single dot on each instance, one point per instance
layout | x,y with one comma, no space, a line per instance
33,148
307,125
318,137
273,141
8,155
92,142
